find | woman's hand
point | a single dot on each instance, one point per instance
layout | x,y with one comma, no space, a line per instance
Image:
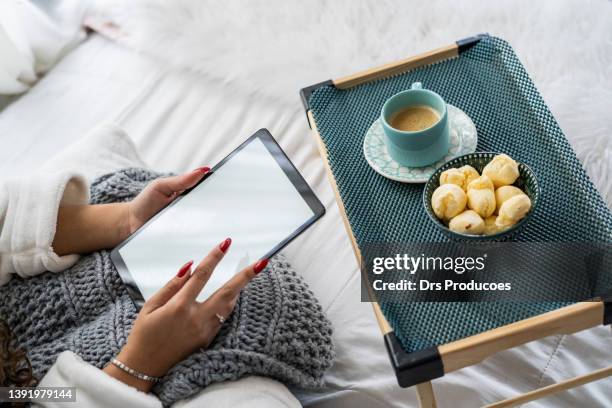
86,228
159,194
172,324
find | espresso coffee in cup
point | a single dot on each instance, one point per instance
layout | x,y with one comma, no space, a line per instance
416,127
414,118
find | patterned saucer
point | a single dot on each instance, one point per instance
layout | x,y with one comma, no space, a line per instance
463,140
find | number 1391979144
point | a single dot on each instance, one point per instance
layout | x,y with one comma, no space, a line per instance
41,394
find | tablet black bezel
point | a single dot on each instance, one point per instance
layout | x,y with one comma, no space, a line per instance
290,171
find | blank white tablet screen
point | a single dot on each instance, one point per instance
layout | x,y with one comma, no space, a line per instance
249,199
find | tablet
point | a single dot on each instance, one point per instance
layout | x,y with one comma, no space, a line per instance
255,196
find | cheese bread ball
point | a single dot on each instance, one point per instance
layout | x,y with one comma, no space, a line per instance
502,170
513,210
480,196
481,183
491,227
505,192
452,176
468,222
461,176
469,173
448,200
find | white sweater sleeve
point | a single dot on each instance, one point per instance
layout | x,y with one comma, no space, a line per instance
94,388
28,218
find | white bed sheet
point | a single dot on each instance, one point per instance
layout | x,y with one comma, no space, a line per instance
181,120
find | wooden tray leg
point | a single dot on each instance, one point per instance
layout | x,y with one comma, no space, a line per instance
425,395
552,389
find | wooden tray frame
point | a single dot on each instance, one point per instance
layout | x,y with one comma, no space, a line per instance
421,367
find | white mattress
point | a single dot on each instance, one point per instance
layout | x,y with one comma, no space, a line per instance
181,120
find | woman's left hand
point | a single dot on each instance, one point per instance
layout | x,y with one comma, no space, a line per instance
86,228
159,194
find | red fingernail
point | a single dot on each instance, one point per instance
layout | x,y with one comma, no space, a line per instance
260,266
184,269
203,170
225,244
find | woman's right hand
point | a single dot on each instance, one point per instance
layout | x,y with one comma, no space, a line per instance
172,324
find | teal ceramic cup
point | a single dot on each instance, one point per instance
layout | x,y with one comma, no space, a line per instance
419,148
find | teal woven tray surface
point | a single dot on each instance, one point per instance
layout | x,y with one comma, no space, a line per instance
489,83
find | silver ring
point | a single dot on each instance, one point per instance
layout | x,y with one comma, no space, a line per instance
221,318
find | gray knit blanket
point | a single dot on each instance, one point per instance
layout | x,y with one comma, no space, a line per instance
278,328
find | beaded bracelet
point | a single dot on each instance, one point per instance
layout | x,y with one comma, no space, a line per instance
133,372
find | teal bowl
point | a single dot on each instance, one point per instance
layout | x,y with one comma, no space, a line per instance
526,181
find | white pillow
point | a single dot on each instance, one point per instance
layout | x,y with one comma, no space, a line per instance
32,41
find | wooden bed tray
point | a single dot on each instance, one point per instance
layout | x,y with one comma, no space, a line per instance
470,350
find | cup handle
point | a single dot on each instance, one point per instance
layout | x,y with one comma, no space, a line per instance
416,85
